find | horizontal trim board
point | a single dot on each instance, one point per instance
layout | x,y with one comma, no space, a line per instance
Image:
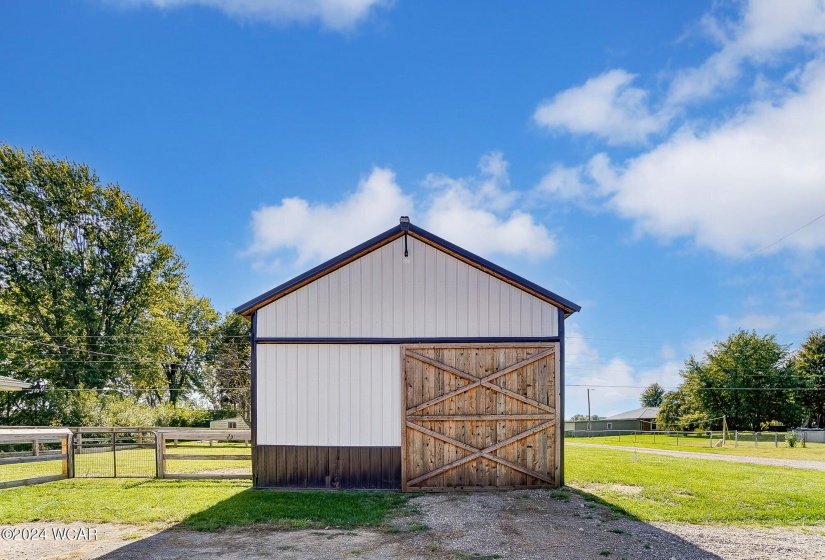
476,341
294,466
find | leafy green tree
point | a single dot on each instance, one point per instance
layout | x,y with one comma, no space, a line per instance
230,389
80,265
652,395
175,339
747,378
810,364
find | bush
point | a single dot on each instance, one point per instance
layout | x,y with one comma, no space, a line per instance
792,438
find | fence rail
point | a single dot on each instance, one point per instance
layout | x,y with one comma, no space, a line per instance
219,465
21,467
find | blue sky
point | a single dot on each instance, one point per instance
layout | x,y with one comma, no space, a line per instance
658,163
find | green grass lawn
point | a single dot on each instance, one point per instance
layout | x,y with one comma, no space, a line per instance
660,488
812,451
201,504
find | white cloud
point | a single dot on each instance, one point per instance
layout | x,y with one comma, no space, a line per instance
607,106
740,186
764,32
319,231
616,386
333,14
477,213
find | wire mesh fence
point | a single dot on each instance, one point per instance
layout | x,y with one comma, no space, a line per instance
114,452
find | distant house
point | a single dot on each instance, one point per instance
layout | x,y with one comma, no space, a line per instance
638,420
229,424
11,384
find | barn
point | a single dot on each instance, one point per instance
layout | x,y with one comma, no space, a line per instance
407,362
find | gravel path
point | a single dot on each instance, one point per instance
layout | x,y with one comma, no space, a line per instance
792,463
518,525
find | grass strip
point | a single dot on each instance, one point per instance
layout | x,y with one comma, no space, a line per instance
659,488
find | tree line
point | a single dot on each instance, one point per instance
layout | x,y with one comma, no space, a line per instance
96,310
752,381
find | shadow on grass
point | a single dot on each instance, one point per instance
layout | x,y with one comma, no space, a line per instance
333,514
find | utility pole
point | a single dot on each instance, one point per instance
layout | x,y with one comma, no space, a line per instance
588,408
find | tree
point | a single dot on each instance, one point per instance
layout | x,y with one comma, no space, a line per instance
652,395
175,338
747,378
80,265
231,350
810,364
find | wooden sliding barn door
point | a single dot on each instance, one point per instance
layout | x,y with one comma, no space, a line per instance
480,416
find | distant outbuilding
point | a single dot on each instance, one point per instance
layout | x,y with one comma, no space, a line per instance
229,424
637,420
408,362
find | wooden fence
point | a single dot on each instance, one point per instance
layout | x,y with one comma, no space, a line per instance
36,437
162,456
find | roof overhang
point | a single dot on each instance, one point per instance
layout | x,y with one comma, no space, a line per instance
388,237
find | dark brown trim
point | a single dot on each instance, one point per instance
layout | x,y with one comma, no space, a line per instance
560,404
454,340
294,466
253,380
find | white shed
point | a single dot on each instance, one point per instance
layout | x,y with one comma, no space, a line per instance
236,423
407,362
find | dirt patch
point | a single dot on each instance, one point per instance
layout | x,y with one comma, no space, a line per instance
535,524
617,488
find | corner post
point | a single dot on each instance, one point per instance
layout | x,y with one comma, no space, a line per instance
560,404
253,402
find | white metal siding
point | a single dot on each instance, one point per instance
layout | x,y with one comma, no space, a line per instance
428,294
329,394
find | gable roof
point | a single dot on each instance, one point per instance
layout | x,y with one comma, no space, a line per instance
390,235
644,413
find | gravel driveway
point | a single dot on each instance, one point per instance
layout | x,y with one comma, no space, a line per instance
532,524
770,461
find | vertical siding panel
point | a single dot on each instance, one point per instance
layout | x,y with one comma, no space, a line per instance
345,403
312,399
514,299
389,289
280,317
323,395
288,402
323,306
264,389
483,281
451,304
409,277
355,299
335,390
494,324
440,299
334,304
467,302
397,295
504,310
526,313
419,302
301,400
346,297
366,394
536,313
366,295
430,302
379,286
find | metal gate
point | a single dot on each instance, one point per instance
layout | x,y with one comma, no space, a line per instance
480,416
114,452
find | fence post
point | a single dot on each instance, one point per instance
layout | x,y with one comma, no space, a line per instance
776,439
35,448
114,453
711,438
736,438
160,450
70,455
677,439
64,449
756,439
